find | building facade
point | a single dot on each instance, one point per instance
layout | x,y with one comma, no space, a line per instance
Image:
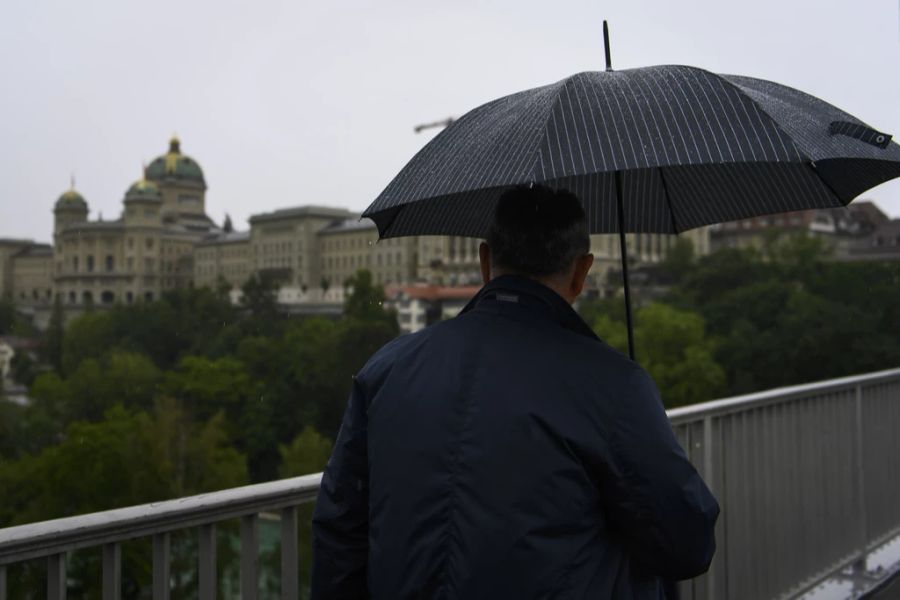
851,233
164,240
146,251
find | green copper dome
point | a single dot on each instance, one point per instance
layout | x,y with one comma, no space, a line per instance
175,165
71,199
143,190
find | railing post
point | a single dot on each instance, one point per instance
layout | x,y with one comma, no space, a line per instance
112,571
56,576
250,557
161,556
708,479
860,479
290,574
207,565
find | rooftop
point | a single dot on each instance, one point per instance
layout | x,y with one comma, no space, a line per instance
326,212
35,250
225,237
354,224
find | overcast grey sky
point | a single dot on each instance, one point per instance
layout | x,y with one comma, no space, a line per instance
289,103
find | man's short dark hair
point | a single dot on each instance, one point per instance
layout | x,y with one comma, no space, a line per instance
538,231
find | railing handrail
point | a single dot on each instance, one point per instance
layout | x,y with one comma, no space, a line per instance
782,394
24,542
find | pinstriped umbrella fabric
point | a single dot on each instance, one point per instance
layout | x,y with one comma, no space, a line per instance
691,148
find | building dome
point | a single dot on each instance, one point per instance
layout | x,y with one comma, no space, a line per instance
143,190
175,165
70,199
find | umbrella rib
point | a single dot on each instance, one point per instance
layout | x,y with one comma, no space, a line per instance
536,154
668,198
812,165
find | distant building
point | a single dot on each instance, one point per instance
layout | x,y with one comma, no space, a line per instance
6,355
848,231
421,305
146,251
882,244
222,258
8,249
164,240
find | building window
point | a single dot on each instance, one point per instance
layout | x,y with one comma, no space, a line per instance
148,296
72,297
129,297
130,263
184,200
107,297
109,264
90,263
87,297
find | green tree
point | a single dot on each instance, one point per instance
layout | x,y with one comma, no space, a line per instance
260,294
208,386
52,342
307,453
23,368
7,316
128,458
679,258
366,301
673,347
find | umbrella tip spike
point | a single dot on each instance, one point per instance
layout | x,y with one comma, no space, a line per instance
606,45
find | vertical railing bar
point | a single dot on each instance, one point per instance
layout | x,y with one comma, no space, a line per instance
723,472
112,571
860,480
56,576
161,559
290,569
250,557
2,582
709,478
206,568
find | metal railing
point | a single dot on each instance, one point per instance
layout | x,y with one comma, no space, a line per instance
806,476
108,529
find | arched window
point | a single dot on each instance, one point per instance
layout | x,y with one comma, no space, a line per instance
107,297
87,297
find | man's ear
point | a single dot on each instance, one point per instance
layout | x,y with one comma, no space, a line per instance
583,266
484,255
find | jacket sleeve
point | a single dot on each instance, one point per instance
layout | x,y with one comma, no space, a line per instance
657,504
340,524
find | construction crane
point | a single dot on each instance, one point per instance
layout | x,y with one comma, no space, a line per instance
445,123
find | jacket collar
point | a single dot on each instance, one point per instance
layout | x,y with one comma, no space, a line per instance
530,293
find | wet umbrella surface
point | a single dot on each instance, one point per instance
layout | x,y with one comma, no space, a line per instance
675,147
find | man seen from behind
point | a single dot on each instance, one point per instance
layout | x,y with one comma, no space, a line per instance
508,452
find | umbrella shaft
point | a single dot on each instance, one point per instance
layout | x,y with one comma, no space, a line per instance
620,210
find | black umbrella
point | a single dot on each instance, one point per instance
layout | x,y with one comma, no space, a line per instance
653,150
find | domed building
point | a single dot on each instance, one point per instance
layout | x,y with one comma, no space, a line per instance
144,252
180,180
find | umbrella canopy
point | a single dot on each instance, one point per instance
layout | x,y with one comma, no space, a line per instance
690,147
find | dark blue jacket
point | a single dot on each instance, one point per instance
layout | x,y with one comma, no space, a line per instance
507,453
